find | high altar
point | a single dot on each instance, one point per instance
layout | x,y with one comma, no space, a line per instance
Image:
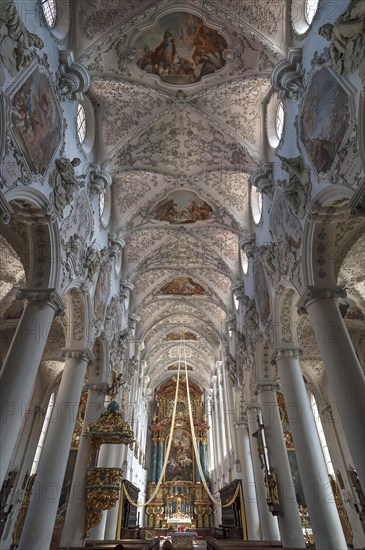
181,499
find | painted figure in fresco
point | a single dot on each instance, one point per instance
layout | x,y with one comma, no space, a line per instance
347,39
15,41
163,58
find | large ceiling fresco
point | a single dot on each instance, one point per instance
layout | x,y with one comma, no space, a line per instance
181,86
181,49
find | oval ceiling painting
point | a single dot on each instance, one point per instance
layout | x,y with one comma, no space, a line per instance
180,49
182,207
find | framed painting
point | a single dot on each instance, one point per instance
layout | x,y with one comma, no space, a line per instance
325,118
36,121
180,462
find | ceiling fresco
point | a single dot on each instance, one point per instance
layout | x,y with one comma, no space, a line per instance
183,286
181,49
181,85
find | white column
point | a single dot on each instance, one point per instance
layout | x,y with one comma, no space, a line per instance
21,364
112,516
223,423
289,523
325,522
342,368
228,408
41,515
248,486
97,533
73,528
268,523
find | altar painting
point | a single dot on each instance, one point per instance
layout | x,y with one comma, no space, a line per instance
36,121
180,48
180,462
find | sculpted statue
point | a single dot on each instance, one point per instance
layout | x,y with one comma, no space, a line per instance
91,263
273,487
118,349
64,183
15,41
297,189
250,312
270,258
347,37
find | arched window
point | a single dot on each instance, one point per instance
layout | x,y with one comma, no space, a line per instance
81,123
101,203
302,14
310,10
244,262
279,120
49,10
275,117
256,204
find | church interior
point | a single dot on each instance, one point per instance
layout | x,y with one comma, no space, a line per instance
182,274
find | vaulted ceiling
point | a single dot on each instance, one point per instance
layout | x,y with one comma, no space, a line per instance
179,89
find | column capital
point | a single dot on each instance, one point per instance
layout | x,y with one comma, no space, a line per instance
241,424
270,386
46,295
78,353
286,76
281,353
311,294
253,407
101,386
74,78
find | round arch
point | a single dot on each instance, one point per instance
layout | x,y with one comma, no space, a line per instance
35,236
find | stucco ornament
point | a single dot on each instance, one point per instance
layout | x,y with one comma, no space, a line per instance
298,187
64,183
347,37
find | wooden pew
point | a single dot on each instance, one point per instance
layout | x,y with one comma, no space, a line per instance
129,544
234,544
